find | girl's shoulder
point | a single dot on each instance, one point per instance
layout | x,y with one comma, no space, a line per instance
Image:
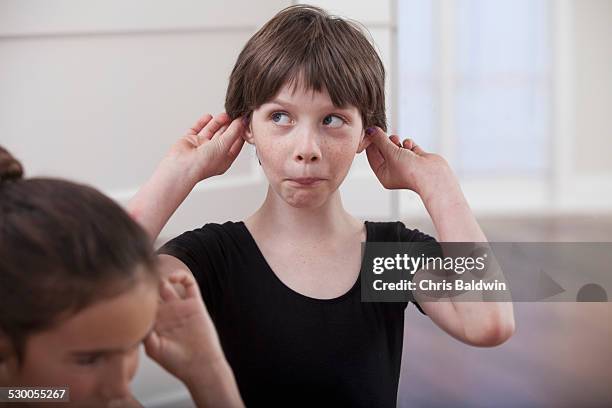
213,231
394,231
211,241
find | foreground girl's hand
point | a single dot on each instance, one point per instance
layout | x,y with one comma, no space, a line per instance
184,331
405,165
184,341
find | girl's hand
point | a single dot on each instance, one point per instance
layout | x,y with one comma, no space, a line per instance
208,149
210,146
184,340
404,165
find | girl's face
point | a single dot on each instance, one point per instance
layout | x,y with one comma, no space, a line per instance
94,352
305,144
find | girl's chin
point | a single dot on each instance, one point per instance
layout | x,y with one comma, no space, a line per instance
305,199
302,204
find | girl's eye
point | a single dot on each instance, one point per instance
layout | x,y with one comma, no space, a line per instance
281,118
333,121
88,360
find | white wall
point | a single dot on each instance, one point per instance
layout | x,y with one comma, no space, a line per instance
97,91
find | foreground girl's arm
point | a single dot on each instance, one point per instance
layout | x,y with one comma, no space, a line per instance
184,341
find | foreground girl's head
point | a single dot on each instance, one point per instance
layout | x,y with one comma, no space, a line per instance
310,84
78,287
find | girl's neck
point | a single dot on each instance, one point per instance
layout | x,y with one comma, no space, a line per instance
277,217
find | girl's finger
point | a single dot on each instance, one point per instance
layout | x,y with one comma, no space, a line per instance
151,344
417,149
375,158
167,292
221,130
234,131
187,281
411,145
236,147
408,144
385,145
213,126
395,140
199,125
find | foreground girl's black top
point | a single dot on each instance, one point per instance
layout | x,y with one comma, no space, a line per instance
288,349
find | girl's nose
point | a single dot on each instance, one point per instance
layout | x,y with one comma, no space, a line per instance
116,384
307,147
307,157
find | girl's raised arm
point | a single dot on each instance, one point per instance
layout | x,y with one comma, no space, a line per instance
208,149
404,165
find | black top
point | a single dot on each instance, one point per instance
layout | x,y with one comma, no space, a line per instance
288,349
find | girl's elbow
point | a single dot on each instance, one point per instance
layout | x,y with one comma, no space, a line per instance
500,333
493,334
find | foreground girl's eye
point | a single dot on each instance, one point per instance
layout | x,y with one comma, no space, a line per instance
333,121
88,360
280,118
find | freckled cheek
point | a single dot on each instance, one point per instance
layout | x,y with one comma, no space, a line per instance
273,155
340,157
83,387
274,151
83,383
43,366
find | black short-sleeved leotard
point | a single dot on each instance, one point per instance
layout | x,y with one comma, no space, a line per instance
287,349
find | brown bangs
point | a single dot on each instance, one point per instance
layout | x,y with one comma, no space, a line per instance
303,46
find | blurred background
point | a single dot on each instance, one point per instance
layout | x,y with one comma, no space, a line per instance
516,94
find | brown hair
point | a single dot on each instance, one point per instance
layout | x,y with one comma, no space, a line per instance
63,246
306,44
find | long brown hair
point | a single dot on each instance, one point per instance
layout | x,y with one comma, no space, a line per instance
63,246
305,44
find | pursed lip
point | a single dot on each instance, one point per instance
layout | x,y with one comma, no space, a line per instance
306,181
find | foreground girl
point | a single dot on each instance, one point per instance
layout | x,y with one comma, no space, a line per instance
79,293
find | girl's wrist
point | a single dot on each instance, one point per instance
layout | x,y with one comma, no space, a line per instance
203,374
161,195
180,171
441,184
215,385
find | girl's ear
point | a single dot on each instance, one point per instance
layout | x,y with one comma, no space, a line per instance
248,134
364,143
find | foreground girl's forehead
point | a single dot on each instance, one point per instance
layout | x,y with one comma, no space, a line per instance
113,325
105,350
